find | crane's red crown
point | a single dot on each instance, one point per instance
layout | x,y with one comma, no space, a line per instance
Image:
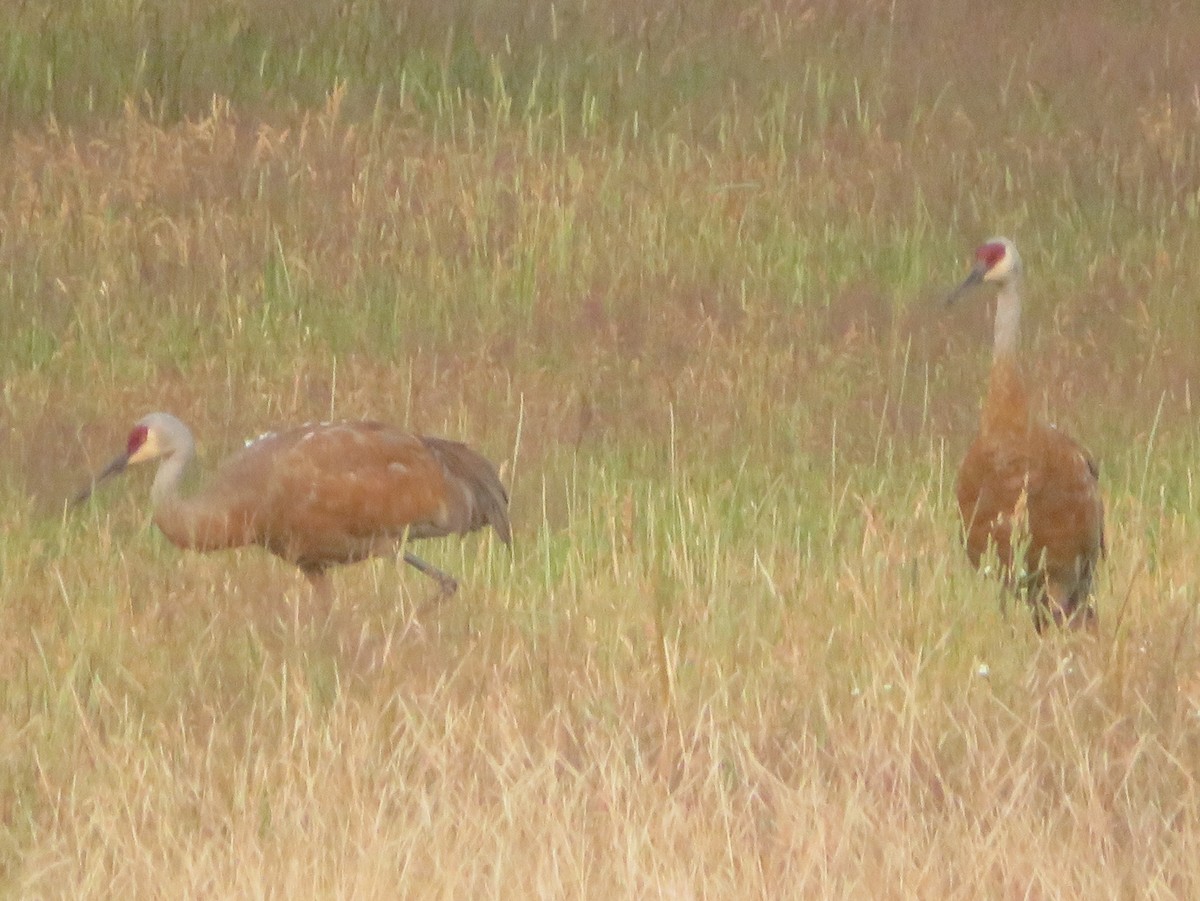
136,439
990,254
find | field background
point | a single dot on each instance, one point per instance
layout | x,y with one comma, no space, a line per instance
677,268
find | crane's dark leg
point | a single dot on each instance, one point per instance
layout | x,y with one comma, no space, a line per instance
335,630
322,590
1071,608
447,584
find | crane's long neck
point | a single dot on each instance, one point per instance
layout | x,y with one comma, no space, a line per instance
188,522
1007,405
165,490
1008,320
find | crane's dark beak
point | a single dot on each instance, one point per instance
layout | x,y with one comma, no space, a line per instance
973,279
117,465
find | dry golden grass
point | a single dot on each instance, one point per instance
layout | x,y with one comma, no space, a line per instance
683,281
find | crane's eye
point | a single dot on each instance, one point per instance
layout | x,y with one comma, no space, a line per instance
136,439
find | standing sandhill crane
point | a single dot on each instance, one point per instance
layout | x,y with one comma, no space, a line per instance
1025,476
319,495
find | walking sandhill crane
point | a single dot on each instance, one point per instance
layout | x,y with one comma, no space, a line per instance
320,495
1024,481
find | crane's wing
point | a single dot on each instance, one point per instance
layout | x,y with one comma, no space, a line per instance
340,492
1065,507
360,479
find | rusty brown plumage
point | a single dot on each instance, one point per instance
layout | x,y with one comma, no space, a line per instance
1024,482
320,495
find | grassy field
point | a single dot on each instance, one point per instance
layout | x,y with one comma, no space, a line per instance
678,268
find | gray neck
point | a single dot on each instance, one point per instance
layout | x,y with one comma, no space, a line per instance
1008,319
164,491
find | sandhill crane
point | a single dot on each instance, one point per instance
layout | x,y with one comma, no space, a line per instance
319,495
1024,476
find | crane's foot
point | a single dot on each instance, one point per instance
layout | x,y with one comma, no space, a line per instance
447,584
1082,619
1075,617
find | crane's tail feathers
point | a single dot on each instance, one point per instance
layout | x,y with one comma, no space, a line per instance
482,480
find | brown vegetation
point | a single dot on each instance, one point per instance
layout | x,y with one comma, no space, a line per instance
675,268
